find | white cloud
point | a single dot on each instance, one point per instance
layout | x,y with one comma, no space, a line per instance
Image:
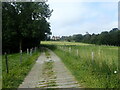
71,17
86,27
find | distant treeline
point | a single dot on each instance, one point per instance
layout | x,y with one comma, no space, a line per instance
105,38
24,25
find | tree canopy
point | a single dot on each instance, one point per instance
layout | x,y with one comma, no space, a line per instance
24,24
104,38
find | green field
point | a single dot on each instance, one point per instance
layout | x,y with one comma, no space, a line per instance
61,43
94,66
17,71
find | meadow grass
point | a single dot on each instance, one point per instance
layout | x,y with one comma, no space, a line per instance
49,73
97,71
61,43
17,71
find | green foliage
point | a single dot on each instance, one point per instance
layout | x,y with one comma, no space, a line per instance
23,21
77,37
91,74
17,71
105,38
96,73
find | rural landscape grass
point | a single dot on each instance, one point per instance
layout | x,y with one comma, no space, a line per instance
17,71
49,73
94,66
48,70
84,37
62,43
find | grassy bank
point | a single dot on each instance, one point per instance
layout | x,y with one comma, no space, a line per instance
17,71
90,74
93,66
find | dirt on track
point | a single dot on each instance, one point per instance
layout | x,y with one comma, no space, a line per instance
49,72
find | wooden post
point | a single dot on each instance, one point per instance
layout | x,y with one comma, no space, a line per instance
6,60
20,56
27,51
69,49
31,52
35,49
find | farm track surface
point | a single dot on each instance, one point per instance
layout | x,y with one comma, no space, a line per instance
49,72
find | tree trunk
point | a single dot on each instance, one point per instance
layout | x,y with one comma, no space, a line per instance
20,44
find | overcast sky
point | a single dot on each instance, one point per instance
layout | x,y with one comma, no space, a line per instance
76,17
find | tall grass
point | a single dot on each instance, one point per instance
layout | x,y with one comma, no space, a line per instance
17,71
99,72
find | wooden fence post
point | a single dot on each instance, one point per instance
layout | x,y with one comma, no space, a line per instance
27,51
6,60
35,49
69,49
31,52
20,56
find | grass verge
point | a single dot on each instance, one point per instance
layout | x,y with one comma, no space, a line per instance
48,72
17,71
88,73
